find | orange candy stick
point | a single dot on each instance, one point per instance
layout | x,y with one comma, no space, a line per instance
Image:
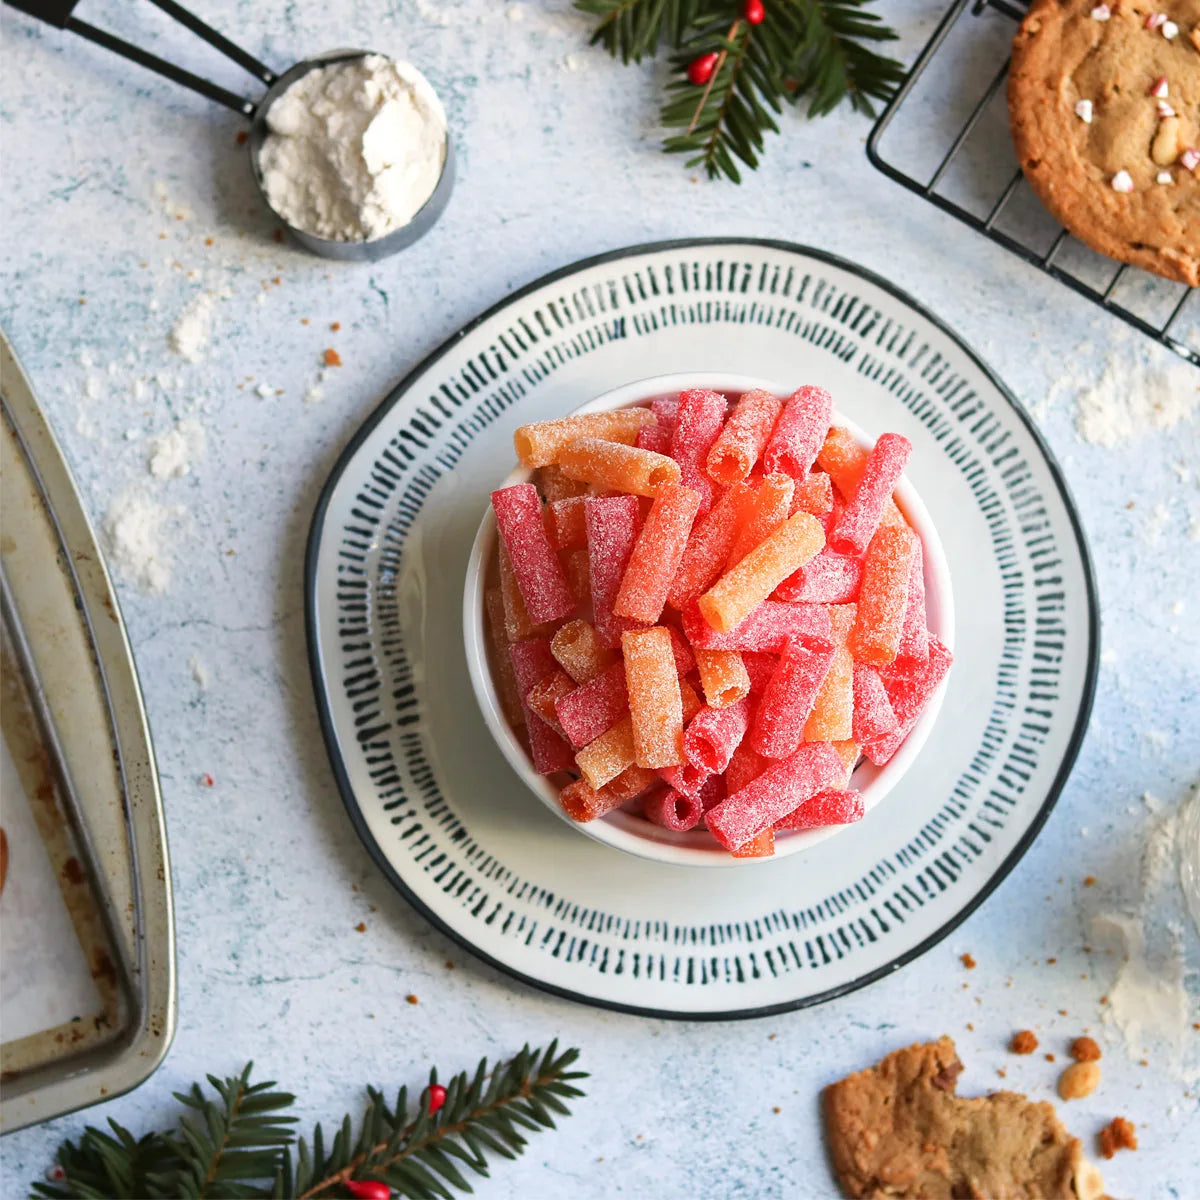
655,703
506,681
544,693
708,547
692,703
577,648
844,460
740,444
763,511
584,803
732,598
813,494
602,760
833,710
883,596
762,846
538,445
617,467
656,554
723,677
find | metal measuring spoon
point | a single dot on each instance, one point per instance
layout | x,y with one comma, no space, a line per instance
59,14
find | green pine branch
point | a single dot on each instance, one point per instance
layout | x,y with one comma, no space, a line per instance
239,1145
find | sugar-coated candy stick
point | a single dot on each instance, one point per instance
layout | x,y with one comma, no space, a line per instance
739,590
708,547
864,508
788,698
914,635
831,719
581,802
831,807
909,693
539,573
577,569
506,681
849,752
691,702
873,713
712,791
673,810
766,630
602,760
655,702
883,596
665,408
617,467
843,459
587,711
745,765
538,445
554,485
698,419
612,525
762,512
741,442
565,523
761,666
722,676
687,779
779,790
828,578
762,846
813,494
517,625
685,660
799,432
532,662
656,437
713,734
542,696
656,554
577,648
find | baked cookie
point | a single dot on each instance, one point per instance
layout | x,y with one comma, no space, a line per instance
898,1130
1104,100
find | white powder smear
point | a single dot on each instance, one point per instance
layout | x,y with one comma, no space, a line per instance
190,333
200,672
171,453
136,533
354,149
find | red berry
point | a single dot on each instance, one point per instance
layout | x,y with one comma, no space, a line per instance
437,1097
754,12
700,70
368,1189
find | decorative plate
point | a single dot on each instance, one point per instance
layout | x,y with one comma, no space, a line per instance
449,822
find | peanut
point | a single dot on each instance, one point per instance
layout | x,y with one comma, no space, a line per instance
1165,147
1078,1080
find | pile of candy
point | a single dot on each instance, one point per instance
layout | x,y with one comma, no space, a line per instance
708,610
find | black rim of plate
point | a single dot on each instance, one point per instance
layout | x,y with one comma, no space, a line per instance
333,745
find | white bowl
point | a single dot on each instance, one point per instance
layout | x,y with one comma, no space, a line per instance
633,834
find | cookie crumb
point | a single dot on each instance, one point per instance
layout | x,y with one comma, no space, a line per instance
1085,1049
361,927
1079,1080
336,326
412,999
242,137
1049,1057
1117,1135
777,1109
449,965
1089,881
1023,1042
968,962
332,358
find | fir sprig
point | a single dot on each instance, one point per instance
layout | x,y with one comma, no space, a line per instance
238,1145
813,51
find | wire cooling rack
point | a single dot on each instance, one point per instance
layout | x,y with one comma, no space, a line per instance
945,136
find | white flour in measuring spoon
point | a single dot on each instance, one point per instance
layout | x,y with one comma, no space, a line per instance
354,149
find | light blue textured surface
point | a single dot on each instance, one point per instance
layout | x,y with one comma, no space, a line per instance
270,881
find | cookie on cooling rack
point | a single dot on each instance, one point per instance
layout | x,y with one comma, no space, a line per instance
1105,107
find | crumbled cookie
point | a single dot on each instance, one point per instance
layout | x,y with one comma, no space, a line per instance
1118,1135
1085,1049
1103,101
898,1130
1024,1041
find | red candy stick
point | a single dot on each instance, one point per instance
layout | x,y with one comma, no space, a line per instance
767,628
657,437
566,524
828,578
740,444
744,766
788,698
698,421
686,779
583,803
594,707
864,509
675,811
873,714
708,547
883,596
612,525
539,573
825,808
799,433
714,734
813,494
909,693
685,660
914,636
712,792
532,662
656,554
778,791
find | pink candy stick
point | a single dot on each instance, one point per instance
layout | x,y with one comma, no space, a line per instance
788,698
612,526
714,734
856,526
778,791
825,808
712,792
657,437
532,662
914,637
539,574
686,779
768,627
744,766
873,715
673,810
799,433
594,707
909,693
828,578
685,660
566,524
698,420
